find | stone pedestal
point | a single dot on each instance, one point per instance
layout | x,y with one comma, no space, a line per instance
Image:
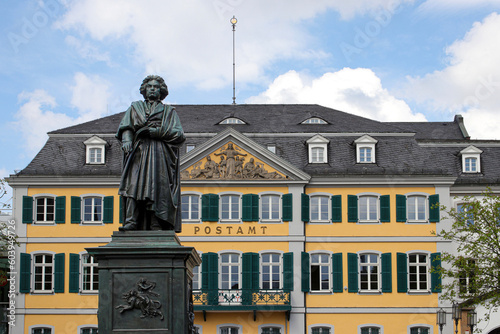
145,283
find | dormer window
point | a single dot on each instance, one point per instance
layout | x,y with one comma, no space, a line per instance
232,120
314,120
318,153
95,150
471,162
365,150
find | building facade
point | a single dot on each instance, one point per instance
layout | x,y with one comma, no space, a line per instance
307,219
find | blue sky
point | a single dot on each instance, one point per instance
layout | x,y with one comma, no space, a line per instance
64,62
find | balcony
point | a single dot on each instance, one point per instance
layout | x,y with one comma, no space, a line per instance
241,300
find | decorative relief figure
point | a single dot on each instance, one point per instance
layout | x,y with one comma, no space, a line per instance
141,298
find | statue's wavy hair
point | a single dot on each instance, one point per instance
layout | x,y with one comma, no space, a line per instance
163,86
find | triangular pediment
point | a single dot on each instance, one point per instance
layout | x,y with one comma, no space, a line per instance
231,156
95,140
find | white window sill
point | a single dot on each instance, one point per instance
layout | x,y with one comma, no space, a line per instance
89,292
95,163
86,223
44,223
417,222
191,221
42,292
367,222
230,221
419,292
320,222
370,292
270,221
321,292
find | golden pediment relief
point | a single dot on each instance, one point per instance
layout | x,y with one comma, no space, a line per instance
230,162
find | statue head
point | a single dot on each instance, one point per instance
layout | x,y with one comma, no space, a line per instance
163,86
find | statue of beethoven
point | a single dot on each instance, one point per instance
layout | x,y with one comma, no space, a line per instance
150,133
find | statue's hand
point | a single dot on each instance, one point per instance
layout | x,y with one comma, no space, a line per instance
127,147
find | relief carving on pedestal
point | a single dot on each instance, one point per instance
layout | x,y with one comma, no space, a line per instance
231,166
141,299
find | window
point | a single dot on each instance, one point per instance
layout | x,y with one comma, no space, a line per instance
418,272
190,207
229,330
314,120
196,278
232,120
271,147
190,147
88,330
368,208
320,330
417,208
41,330
230,207
90,274
271,271
369,272
271,330
45,209
270,207
466,276
419,330
365,149
230,269
462,210
319,208
370,330
43,272
320,272
317,148
471,162
196,329
92,209
95,150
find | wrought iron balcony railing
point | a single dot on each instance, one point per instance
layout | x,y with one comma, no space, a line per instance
243,299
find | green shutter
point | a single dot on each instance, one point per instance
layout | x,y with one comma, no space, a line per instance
25,278
385,209
305,271
386,272
434,208
352,208
288,271
401,208
210,276
27,210
435,276
210,208
60,209
352,272
121,207
74,273
59,273
255,271
248,278
402,267
305,207
337,208
287,207
76,205
250,203
337,273
108,203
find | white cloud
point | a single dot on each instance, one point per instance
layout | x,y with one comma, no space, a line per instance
190,42
470,84
356,91
453,5
36,117
86,50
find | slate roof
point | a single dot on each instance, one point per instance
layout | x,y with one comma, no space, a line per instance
398,150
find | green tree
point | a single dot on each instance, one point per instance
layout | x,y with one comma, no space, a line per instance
475,268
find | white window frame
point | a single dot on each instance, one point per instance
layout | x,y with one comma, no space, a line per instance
377,208
199,327
93,266
321,264
328,209
471,152
427,271
380,327
230,264
232,120
378,264
35,210
190,147
31,329
460,204
261,327
314,326
280,270
190,219
43,265
261,207
365,141
223,326
95,143
199,275
314,120
93,196
317,142
231,219
82,327
429,327
271,148
426,207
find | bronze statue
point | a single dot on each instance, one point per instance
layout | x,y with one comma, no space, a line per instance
151,133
